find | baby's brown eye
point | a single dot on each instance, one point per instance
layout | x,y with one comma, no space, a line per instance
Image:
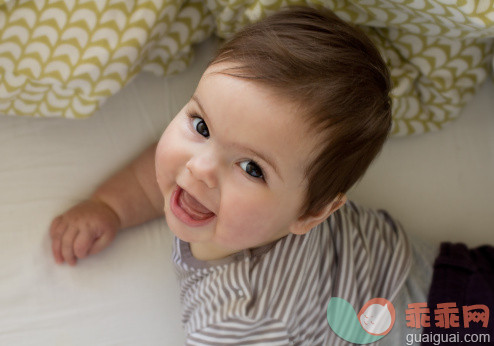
252,169
201,127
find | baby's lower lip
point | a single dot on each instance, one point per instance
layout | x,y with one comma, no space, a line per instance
182,214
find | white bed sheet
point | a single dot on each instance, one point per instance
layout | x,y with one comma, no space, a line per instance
439,185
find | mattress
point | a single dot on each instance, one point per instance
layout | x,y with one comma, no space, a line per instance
439,185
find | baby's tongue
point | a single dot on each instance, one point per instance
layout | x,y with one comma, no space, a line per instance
195,209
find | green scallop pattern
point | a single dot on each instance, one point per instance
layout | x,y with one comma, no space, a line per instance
439,51
66,57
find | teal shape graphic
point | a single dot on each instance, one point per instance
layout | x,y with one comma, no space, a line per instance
344,322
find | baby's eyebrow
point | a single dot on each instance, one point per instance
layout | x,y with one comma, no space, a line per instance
264,157
196,99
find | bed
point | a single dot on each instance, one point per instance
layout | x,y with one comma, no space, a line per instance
439,185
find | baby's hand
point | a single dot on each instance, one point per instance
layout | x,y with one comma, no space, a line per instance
85,229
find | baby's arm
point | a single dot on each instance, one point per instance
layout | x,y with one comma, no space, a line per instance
128,198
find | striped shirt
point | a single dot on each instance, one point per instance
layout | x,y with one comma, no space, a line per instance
278,294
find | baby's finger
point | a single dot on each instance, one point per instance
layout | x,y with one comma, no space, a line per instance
82,243
68,245
56,232
56,248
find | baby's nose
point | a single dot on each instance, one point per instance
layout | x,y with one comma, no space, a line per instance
204,167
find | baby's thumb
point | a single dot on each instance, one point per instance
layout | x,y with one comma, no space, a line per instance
101,243
82,243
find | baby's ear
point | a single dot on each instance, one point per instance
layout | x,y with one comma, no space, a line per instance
305,223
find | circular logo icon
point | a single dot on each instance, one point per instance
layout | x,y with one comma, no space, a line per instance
373,322
377,316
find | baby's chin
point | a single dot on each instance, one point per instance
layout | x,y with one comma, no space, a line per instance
186,233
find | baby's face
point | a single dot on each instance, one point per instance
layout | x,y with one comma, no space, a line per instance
231,166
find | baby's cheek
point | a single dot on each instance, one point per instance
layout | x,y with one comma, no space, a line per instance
170,157
245,226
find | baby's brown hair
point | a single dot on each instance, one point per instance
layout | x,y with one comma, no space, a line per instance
337,77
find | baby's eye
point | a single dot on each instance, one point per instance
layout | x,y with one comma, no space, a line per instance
200,126
252,169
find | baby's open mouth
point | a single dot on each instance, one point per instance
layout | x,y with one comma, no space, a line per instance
189,210
193,207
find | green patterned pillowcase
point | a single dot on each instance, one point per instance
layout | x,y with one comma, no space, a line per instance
439,51
65,58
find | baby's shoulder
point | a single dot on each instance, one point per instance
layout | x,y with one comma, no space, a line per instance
358,215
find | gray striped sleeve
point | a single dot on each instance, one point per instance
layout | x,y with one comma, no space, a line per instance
374,254
236,332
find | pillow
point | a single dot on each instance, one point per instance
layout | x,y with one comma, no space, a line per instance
438,52
65,58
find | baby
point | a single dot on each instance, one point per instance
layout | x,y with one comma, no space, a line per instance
251,176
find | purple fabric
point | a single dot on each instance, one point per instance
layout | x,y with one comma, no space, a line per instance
466,277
